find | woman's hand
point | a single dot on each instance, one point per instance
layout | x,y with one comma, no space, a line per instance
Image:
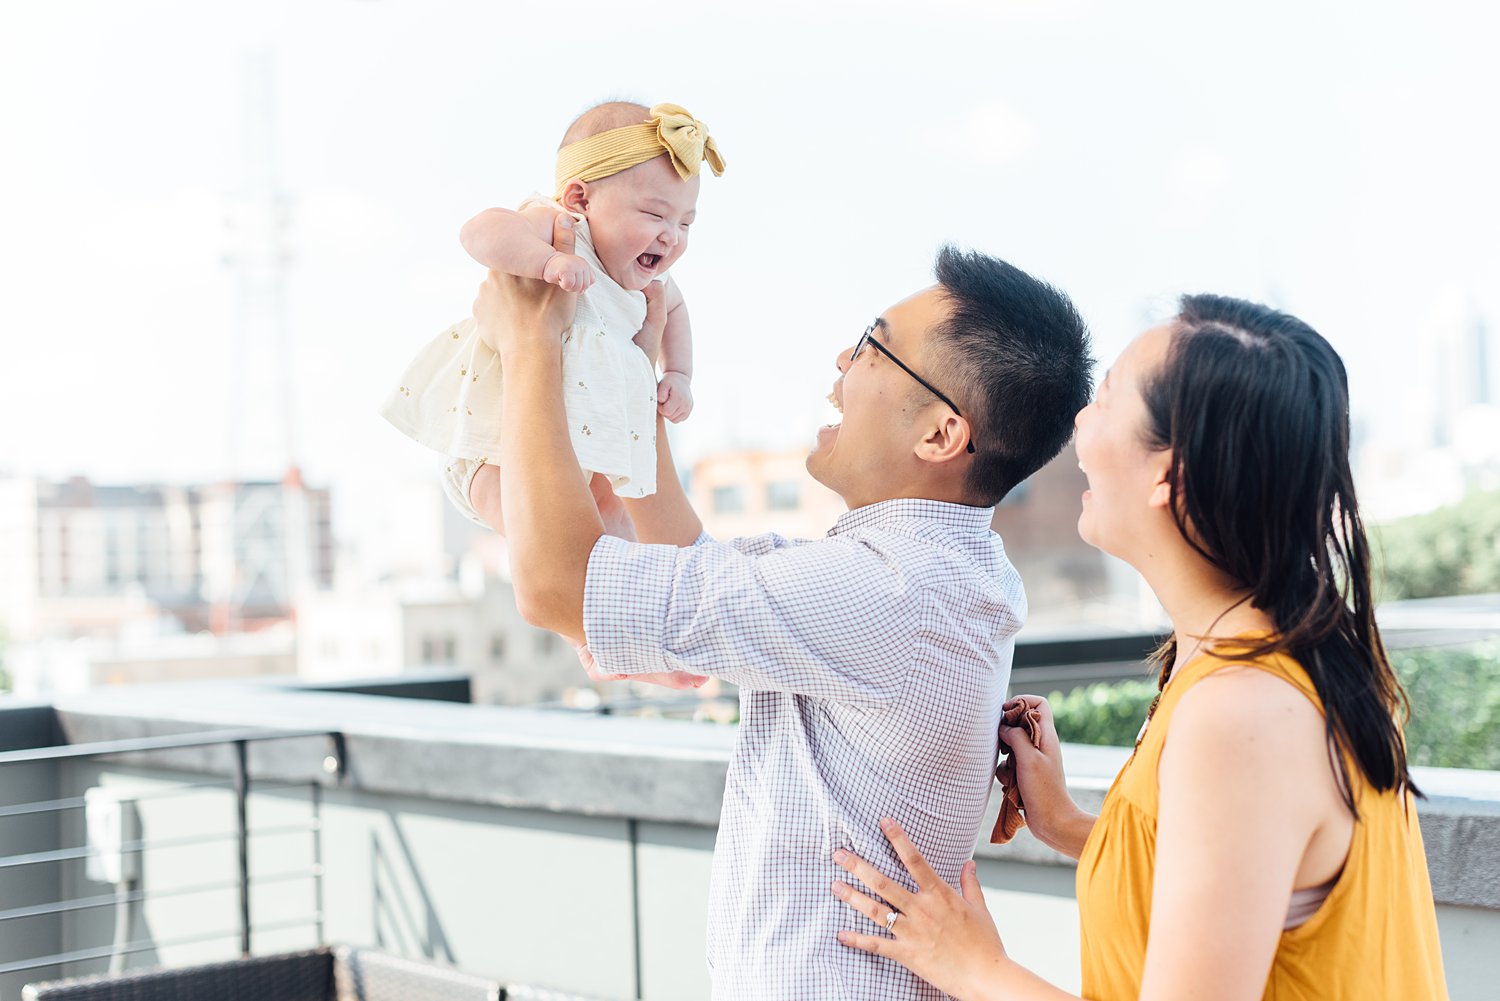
943,937
1037,771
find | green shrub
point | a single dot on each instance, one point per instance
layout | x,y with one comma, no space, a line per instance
1453,550
1104,713
1455,707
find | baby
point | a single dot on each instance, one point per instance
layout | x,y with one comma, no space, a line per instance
628,175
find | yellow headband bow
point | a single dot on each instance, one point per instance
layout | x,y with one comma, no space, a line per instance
684,139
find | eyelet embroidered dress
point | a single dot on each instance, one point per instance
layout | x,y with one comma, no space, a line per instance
449,396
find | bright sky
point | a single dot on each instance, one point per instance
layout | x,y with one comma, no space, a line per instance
1338,159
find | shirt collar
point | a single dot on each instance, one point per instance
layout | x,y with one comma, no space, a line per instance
961,517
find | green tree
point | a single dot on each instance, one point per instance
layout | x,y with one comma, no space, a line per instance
1453,550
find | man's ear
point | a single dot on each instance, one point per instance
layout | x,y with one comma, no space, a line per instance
575,196
949,439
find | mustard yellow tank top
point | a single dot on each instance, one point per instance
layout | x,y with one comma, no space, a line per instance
1375,936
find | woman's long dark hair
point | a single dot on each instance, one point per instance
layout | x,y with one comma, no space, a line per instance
1254,405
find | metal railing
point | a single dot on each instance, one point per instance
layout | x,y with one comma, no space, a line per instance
239,783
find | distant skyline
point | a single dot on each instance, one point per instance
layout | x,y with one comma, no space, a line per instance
1336,160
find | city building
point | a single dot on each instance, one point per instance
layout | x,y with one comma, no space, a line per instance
84,559
468,624
1070,586
1447,441
752,492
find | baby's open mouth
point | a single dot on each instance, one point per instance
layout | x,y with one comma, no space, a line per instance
649,261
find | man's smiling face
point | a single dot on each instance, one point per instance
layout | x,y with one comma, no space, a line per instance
869,454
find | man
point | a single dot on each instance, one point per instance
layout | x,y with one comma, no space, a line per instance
872,663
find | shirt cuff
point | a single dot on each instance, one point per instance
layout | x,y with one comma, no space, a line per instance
626,591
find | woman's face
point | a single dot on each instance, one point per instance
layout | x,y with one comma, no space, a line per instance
1125,508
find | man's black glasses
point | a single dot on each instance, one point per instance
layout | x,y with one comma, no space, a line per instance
868,337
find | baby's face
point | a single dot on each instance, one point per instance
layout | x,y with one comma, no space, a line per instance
639,220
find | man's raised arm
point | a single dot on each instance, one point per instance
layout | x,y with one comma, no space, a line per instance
550,519
667,516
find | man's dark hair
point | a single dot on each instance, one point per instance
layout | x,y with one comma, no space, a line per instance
1015,355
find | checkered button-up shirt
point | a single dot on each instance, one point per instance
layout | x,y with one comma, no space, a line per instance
872,666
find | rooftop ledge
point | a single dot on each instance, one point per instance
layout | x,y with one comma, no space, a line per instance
654,770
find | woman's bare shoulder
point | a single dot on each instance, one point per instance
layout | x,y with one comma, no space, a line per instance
1249,721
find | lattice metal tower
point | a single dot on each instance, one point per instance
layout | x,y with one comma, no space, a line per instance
261,542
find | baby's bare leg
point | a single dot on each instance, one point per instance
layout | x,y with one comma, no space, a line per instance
611,508
484,494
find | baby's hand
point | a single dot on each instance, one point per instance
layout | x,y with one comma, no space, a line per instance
568,272
649,337
674,397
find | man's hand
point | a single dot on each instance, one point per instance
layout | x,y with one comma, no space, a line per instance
666,679
523,314
568,272
649,337
674,397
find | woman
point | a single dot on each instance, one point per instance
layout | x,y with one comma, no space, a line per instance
1271,844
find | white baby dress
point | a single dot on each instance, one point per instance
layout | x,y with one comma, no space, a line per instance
449,396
